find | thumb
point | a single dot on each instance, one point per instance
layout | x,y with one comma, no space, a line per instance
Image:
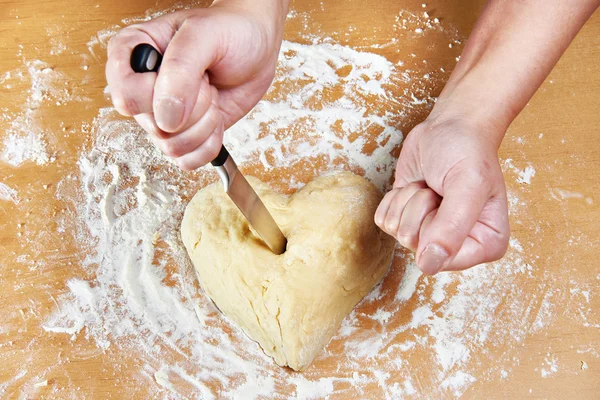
192,50
465,193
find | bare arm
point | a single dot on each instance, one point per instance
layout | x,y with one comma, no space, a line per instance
449,201
512,49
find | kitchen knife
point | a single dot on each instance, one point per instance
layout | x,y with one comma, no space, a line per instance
145,58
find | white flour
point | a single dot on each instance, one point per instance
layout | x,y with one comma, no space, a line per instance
8,194
132,202
523,175
25,140
143,300
334,130
561,195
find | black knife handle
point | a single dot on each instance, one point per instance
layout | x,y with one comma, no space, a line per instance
221,158
145,58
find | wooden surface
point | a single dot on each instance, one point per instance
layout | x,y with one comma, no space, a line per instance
557,134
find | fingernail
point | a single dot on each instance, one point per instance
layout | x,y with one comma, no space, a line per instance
432,259
169,113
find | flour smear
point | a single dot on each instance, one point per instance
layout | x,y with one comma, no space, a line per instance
25,139
144,299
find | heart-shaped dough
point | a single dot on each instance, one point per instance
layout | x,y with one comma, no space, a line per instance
294,303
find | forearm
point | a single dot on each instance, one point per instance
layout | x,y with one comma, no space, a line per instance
513,47
272,12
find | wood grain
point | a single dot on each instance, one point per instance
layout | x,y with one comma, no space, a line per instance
557,134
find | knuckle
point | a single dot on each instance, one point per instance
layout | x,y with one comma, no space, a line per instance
407,241
213,150
171,148
378,218
186,164
115,41
125,105
391,224
214,118
498,246
194,21
498,251
424,194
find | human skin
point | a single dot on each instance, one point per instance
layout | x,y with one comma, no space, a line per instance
217,64
448,202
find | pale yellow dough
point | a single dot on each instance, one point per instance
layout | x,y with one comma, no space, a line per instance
294,303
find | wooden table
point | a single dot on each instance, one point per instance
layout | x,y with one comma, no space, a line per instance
556,220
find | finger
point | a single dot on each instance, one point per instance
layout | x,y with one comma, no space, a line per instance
384,206
131,92
177,145
488,240
393,204
394,214
193,49
418,207
146,121
205,153
408,166
187,141
465,194
207,96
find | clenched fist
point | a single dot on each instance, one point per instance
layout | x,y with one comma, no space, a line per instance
217,64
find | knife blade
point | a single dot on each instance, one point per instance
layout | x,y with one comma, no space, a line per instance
246,199
145,58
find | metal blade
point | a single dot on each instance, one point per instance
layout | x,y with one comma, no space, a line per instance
246,199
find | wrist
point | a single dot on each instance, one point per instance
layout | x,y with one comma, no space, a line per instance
479,100
475,114
271,13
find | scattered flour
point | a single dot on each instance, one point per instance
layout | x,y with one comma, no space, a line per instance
25,139
55,33
8,194
25,146
20,374
318,389
144,301
523,175
335,129
550,366
545,311
560,194
526,175
457,381
144,298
